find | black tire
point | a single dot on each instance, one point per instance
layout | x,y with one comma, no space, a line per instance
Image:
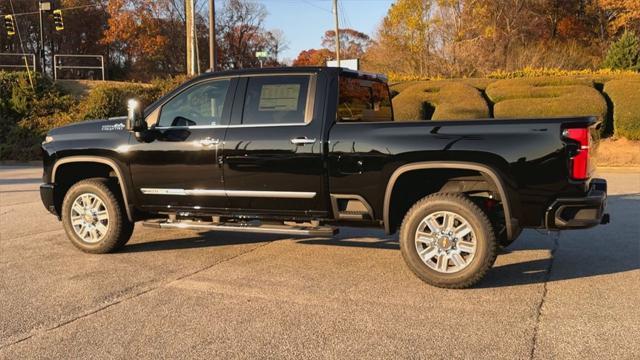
485,241
119,227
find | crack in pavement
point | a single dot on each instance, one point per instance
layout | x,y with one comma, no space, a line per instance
160,284
547,277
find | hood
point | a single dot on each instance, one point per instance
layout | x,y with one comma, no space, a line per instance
115,124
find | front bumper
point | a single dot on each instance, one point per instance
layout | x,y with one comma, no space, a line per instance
580,213
47,194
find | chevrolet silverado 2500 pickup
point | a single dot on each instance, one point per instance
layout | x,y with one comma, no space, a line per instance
302,151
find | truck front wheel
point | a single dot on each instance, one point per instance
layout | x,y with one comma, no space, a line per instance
448,241
94,217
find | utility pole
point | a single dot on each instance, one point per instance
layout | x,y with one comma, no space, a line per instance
42,6
213,52
335,15
191,53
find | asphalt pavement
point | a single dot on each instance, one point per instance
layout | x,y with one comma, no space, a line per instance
183,294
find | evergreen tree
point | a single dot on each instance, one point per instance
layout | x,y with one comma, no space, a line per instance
624,54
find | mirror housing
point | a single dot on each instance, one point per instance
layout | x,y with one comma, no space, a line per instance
135,120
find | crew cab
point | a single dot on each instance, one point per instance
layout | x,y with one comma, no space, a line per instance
302,151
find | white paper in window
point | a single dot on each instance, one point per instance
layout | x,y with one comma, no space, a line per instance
281,97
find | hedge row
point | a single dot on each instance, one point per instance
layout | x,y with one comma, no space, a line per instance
612,97
625,97
546,97
27,114
440,101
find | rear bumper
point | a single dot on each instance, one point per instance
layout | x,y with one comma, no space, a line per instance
582,212
47,192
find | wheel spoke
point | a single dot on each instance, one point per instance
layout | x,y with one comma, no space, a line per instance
443,262
86,200
102,215
431,223
101,228
428,253
461,231
457,260
466,246
77,208
94,234
84,231
447,222
78,220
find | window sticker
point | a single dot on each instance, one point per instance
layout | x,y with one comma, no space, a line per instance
281,97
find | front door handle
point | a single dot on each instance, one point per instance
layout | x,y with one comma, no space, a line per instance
209,141
302,141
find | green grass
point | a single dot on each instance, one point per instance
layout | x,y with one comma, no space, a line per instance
625,96
439,100
547,97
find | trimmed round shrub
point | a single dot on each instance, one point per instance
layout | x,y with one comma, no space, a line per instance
439,100
546,97
625,96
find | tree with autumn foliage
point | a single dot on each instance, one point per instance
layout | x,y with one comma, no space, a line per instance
313,57
353,45
475,37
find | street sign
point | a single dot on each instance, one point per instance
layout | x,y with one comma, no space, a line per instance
262,54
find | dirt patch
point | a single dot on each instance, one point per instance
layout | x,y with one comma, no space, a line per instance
618,152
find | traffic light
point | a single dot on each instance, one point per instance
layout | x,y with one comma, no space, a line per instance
10,25
57,20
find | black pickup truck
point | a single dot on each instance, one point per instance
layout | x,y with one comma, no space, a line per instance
304,150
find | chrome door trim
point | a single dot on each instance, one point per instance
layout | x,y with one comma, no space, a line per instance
182,192
231,193
272,194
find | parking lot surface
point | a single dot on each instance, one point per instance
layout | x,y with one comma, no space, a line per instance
182,294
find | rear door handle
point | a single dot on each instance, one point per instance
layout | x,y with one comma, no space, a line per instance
302,141
209,141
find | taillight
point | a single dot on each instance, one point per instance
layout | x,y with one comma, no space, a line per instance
580,160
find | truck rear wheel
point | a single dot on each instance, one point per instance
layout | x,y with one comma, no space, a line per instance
94,218
448,241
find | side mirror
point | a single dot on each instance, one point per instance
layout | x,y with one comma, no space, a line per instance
135,120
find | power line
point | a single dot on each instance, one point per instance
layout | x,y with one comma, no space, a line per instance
316,6
67,8
21,44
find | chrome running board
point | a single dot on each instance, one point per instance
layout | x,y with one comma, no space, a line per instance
323,231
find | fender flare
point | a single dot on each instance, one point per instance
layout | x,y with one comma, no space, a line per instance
510,223
100,160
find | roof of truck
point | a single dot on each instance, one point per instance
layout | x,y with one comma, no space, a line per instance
289,69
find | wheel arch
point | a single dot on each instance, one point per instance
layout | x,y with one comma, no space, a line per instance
97,160
510,222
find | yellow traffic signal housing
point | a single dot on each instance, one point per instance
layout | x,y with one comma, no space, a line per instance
10,25
57,20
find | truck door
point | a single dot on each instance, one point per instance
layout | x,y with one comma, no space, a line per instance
175,165
273,155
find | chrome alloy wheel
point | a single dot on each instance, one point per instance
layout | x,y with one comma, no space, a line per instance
445,242
89,218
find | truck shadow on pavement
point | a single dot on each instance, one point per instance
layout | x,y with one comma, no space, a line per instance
607,249
204,240
603,250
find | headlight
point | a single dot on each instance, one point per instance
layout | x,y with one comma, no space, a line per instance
47,139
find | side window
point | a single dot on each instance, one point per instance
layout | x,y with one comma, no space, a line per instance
363,101
200,104
276,100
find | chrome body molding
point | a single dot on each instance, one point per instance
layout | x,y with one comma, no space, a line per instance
231,193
